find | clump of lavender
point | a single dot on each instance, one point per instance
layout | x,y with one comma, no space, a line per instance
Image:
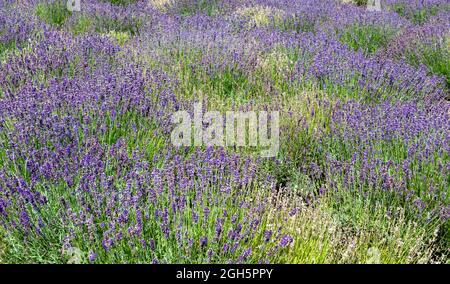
418,11
82,156
230,63
342,72
16,28
427,45
55,56
398,149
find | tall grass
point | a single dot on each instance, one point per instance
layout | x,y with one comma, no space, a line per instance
54,12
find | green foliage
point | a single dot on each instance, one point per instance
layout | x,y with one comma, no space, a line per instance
82,24
399,9
376,226
122,2
6,46
361,2
297,24
419,16
120,37
189,7
368,38
129,25
53,13
437,59
434,55
2,250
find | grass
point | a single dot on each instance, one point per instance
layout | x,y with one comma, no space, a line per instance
298,25
115,26
54,12
5,47
368,38
190,7
353,232
119,37
2,250
419,16
360,2
131,25
82,24
396,238
122,2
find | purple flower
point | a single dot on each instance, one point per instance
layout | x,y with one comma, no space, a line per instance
286,240
210,253
206,212
92,256
24,220
152,244
218,229
267,235
203,241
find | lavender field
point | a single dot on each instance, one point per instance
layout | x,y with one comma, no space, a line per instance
358,99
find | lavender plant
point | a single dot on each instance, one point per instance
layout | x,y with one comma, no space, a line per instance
427,45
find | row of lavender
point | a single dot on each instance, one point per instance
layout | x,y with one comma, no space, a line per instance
86,98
